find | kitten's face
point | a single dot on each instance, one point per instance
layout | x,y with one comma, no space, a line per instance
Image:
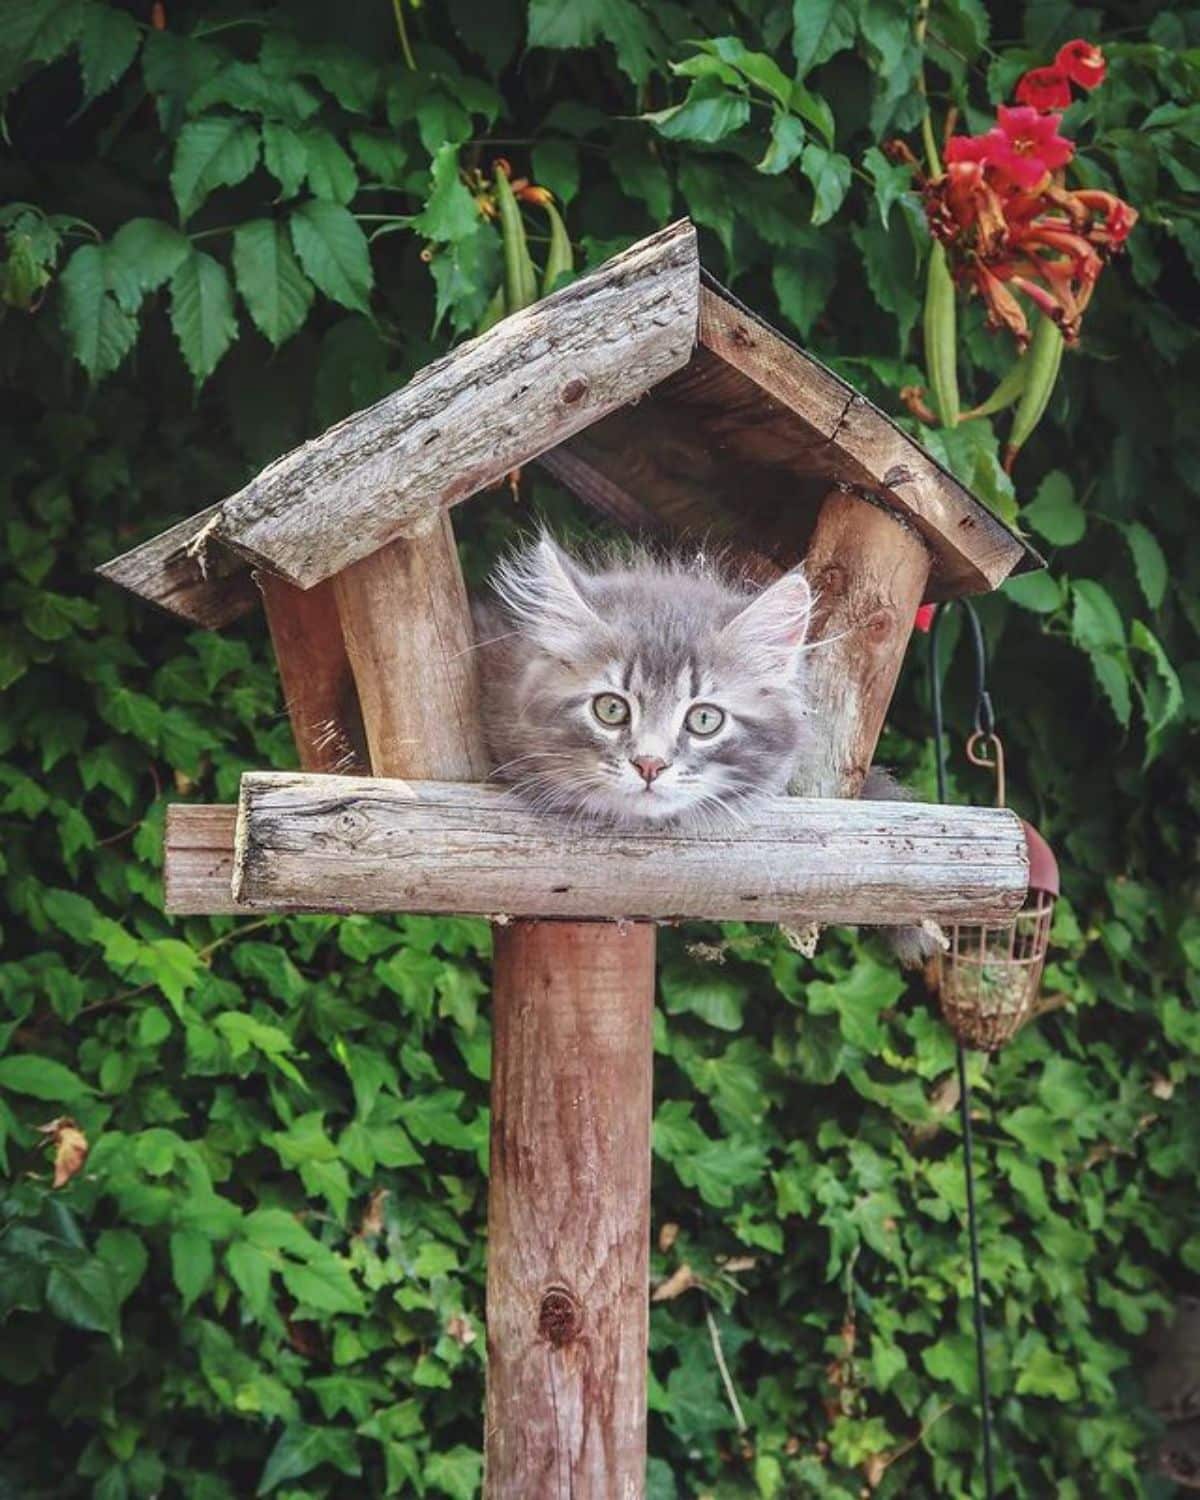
647,694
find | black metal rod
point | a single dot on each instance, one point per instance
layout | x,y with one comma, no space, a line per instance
985,1400
983,721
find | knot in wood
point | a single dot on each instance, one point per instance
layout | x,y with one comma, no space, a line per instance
351,824
574,390
879,625
560,1317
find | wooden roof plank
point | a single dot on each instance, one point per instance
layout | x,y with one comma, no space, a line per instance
976,551
462,423
180,570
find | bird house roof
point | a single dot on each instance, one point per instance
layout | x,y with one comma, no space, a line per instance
646,388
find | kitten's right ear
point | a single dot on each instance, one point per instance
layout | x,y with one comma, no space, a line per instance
773,627
538,587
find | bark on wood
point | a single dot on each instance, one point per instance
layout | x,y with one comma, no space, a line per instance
204,582
975,551
318,685
320,843
465,421
868,571
407,629
569,1213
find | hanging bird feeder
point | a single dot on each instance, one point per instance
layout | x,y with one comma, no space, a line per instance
988,978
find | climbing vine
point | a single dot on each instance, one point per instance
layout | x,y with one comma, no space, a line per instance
241,1223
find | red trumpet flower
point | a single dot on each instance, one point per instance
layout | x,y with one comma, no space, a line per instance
1044,88
1005,215
1082,62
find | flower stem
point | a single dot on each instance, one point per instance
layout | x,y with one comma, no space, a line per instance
932,159
402,33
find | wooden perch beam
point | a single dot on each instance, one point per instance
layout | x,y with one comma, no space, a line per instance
343,844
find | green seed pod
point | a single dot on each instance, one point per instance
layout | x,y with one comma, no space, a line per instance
561,257
520,279
941,337
493,312
1006,392
1044,357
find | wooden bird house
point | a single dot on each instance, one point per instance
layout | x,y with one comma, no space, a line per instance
652,394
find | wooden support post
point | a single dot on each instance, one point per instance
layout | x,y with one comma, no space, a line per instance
568,1002
868,568
569,1212
318,685
408,635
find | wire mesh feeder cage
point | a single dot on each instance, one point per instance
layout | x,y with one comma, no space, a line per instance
987,980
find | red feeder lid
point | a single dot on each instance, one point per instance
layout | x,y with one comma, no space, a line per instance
1043,867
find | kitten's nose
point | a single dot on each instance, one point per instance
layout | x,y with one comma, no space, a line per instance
648,767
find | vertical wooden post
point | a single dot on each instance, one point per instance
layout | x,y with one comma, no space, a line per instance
569,1191
408,635
868,569
318,685
569,1211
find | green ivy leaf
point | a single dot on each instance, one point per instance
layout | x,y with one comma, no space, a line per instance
1039,592
250,1268
202,314
786,143
584,22
86,1295
276,291
710,112
101,331
42,1078
333,251
1046,1373
1148,563
217,151
284,156
1054,512
804,280
818,32
329,170
450,213
301,1449
192,1264
829,173
108,43
458,1472
148,251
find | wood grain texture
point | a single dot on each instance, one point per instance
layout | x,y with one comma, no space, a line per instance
868,571
314,668
337,844
198,859
209,586
407,631
569,1212
463,422
974,551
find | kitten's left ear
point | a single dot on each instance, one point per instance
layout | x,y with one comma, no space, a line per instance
774,626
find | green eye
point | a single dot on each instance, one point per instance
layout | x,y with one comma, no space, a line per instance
704,719
611,709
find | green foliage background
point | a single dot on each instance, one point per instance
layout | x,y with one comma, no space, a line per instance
227,233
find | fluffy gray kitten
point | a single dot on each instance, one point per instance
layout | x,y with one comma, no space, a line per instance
642,691
648,690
